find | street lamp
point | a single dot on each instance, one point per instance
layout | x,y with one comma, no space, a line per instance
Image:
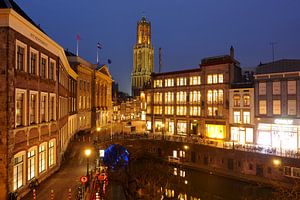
87,152
98,131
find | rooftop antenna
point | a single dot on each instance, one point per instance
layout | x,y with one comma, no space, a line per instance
273,49
160,60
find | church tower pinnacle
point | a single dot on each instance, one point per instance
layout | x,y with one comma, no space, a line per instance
143,54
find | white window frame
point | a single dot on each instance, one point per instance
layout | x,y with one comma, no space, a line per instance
24,120
54,69
52,162
36,105
35,159
44,94
262,87
32,50
15,182
260,106
51,95
47,67
23,45
44,169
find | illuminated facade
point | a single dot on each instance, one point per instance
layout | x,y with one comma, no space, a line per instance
277,110
143,57
241,113
193,102
37,83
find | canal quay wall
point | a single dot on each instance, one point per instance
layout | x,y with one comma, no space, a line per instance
242,165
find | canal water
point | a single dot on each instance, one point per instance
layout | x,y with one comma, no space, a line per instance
147,178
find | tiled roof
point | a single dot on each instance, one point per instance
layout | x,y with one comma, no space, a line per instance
13,5
284,65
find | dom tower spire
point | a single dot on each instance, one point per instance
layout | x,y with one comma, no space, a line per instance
142,57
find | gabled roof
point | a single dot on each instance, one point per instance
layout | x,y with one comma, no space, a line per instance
283,65
104,70
13,5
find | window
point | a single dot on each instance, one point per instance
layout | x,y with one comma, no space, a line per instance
44,106
52,107
215,96
221,78
181,81
246,100
33,61
276,107
209,79
18,171
43,67
33,108
215,78
246,117
237,117
158,97
195,110
42,158
291,87
236,101
169,97
209,111
181,97
20,107
209,97
157,83
195,97
181,110
52,70
262,107
31,164
262,88
169,82
157,110
276,88
21,56
51,155
221,96
292,107
195,80
169,110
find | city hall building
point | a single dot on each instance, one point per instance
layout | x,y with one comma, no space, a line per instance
195,101
277,107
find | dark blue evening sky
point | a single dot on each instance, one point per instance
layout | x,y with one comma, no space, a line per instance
187,30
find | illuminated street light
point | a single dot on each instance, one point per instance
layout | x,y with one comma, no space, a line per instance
276,162
87,152
186,147
98,131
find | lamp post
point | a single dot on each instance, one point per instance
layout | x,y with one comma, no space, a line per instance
87,152
98,131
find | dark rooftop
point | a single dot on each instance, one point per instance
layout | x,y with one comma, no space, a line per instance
13,5
176,72
215,60
284,65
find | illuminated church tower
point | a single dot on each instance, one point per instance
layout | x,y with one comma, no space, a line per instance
143,54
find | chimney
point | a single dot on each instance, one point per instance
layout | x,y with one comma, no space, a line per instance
231,52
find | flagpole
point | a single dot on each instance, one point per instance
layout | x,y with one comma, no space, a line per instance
77,47
97,55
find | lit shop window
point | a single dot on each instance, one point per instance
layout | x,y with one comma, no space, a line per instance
215,131
195,80
181,128
262,88
169,97
262,107
42,157
18,170
181,81
195,97
21,55
31,163
169,82
158,97
276,107
276,88
181,97
157,83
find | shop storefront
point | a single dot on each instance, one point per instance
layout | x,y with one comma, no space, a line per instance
241,135
170,126
283,134
215,131
158,126
181,127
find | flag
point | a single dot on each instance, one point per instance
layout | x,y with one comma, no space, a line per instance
78,37
108,61
99,46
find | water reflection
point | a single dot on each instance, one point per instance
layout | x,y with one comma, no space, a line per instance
146,178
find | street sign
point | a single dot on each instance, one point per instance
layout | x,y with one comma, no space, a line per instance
102,177
101,152
83,179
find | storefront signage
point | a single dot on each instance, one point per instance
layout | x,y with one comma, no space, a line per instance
283,121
